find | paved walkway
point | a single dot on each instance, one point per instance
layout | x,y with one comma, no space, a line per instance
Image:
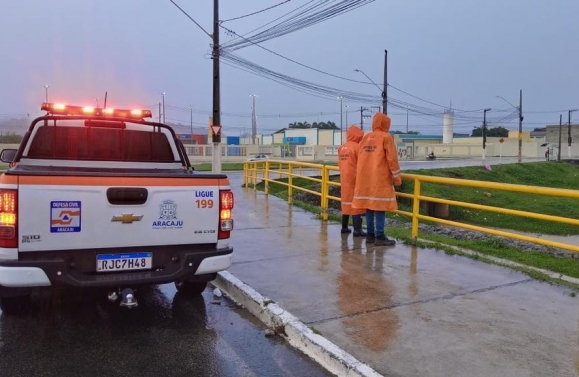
402,310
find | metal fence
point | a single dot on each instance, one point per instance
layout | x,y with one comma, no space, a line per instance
270,171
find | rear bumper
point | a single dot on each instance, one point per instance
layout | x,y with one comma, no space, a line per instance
79,270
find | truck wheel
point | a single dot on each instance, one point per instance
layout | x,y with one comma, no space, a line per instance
15,305
191,288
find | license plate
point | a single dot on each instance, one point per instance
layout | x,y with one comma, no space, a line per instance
124,262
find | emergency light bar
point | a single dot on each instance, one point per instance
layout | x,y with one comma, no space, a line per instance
62,109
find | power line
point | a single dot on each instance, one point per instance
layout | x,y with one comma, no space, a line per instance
296,62
314,14
259,11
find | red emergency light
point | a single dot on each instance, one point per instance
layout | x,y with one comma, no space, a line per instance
62,109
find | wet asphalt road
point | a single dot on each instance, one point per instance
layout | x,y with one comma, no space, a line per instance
167,335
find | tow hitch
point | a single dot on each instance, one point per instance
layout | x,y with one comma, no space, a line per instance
127,296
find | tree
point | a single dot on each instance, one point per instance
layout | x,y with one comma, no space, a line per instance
491,132
320,125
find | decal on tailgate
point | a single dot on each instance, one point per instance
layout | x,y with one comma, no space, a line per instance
64,216
168,216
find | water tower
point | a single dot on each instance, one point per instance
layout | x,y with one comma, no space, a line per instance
448,126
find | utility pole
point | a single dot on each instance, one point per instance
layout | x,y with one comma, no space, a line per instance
569,138
346,106
362,109
216,155
520,154
484,132
159,112
385,90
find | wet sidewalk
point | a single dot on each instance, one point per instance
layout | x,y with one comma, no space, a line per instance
402,310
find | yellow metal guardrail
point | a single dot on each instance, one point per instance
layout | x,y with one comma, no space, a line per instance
255,171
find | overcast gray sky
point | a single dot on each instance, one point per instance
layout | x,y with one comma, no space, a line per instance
464,51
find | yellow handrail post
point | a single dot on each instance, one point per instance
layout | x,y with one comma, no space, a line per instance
280,170
415,208
324,204
254,175
245,174
290,183
266,178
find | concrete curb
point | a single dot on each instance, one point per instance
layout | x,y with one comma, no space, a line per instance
299,335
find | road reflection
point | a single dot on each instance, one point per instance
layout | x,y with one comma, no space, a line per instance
362,283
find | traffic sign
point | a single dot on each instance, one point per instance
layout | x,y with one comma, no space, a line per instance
216,130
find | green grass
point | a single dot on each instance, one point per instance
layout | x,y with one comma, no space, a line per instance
227,166
546,174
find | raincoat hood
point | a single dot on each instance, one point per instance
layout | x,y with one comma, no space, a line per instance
354,134
381,122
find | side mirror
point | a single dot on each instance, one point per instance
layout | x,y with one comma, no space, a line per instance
8,155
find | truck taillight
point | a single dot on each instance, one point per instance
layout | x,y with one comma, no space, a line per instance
225,219
8,221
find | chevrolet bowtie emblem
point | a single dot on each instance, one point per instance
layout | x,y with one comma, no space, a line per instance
126,218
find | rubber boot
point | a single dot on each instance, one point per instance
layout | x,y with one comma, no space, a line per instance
345,221
382,240
358,232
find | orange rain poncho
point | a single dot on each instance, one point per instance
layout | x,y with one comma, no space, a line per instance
348,159
378,169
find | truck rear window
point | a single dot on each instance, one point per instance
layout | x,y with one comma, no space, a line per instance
100,144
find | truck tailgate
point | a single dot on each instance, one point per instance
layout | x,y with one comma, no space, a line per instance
99,212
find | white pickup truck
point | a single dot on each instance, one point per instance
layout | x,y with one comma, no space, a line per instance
102,198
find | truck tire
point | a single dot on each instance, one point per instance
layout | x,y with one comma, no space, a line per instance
15,305
191,288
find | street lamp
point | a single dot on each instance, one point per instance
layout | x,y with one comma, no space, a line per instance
520,110
484,132
191,141
407,107
163,94
569,139
97,102
46,92
362,72
341,120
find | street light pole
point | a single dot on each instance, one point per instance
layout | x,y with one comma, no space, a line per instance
346,106
341,121
407,107
46,92
253,119
560,133
97,102
191,141
569,138
520,110
163,94
484,132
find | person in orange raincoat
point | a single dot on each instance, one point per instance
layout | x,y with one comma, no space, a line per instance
378,172
348,159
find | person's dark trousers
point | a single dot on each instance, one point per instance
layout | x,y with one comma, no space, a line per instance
358,232
345,221
377,229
